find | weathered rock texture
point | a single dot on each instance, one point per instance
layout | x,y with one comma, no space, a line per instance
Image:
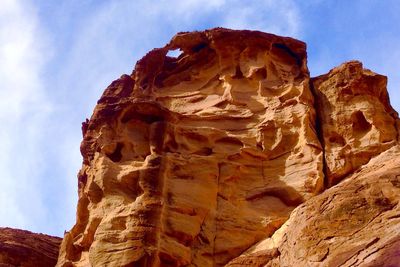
356,223
192,160
26,249
355,117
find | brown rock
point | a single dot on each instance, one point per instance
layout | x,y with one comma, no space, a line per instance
355,223
191,160
355,117
27,249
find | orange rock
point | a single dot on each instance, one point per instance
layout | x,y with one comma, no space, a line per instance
355,223
356,119
26,249
191,160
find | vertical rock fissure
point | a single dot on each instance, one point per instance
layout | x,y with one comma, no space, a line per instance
162,208
216,215
396,126
161,131
319,131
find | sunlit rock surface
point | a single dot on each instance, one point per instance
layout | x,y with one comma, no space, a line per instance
26,249
192,160
355,223
356,119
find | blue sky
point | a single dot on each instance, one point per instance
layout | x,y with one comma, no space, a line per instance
57,57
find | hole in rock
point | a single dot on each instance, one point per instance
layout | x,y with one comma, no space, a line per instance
360,124
116,156
174,53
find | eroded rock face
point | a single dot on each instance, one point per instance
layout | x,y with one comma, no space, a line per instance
355,223
191,160
27,249
355,116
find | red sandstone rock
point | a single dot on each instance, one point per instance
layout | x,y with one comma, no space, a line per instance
26,249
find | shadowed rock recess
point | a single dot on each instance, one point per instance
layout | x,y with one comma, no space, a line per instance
231,154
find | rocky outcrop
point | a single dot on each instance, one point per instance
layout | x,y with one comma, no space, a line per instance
26,249
191,160
355,223
355,118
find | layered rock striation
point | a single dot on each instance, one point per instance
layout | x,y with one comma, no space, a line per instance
192,160
27,249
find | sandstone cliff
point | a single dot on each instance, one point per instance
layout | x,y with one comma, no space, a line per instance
356,223
197,159
26,249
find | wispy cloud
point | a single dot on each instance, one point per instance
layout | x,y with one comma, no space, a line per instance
23,111
279,17
114,35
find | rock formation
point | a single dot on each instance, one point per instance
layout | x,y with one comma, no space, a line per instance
200,160
191,160
355,117
356,223
26,249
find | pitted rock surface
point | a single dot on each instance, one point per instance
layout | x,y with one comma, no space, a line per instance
356,119
355,223
192,160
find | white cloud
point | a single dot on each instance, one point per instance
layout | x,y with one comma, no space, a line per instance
23,108
278,17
